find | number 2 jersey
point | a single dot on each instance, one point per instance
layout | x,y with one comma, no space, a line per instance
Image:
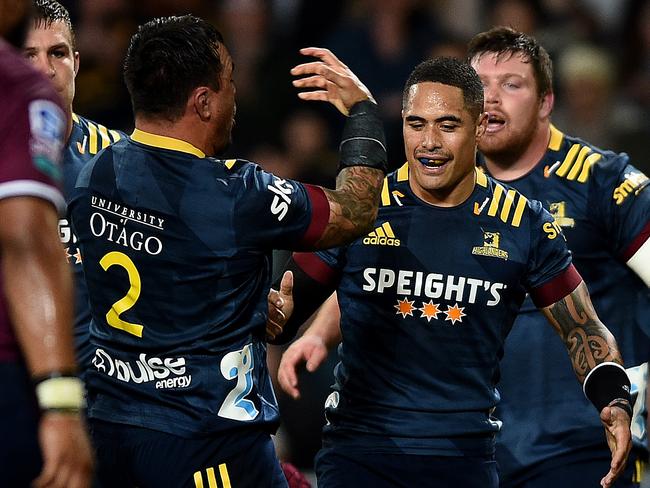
427,299
602,203
176,252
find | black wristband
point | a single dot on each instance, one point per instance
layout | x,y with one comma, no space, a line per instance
363,142
606,383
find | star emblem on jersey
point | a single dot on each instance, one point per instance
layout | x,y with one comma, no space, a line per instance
404,307
76,255
455,314
430,310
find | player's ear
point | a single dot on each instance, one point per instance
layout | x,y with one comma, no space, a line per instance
200,99
76,63
481,124
546,105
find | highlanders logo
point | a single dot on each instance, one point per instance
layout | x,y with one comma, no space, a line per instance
490,246
558,211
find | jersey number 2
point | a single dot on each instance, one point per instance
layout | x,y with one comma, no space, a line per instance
125,303
238,364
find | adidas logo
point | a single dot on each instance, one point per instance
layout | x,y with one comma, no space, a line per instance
382,236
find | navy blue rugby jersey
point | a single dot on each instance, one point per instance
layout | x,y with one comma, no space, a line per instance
86,140
427,299
602,204
176,251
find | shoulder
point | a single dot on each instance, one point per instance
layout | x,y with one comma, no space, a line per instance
504,202
91,137
581,161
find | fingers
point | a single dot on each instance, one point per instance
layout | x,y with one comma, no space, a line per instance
317,357
323,54
288,372
286,285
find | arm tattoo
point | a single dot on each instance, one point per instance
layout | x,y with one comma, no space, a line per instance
353,205
588,341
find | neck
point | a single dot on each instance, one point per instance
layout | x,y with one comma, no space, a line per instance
180,129
447,198
508,167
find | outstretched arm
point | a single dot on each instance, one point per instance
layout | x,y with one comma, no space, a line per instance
312,348
598,365
353,204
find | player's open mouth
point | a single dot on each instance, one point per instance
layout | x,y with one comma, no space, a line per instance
496,122
433,163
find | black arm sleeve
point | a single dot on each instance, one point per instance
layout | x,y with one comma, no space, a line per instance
308,295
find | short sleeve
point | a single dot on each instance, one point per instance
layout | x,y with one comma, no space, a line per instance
31,141
621,194
279,213
550,274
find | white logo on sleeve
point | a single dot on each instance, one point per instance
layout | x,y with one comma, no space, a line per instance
281,200
47,123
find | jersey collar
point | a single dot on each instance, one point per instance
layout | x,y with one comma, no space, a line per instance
165,142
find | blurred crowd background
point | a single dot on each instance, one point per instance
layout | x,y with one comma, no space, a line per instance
600,49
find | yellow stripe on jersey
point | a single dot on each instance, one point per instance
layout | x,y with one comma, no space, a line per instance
388,229
519,211
481,179
403,173
385,196
578,164
212,480
507,203
229,163
380,232
75,118
106,140
92,138
198,480
585,167
496,198
225,478
568,161
115,135
555,142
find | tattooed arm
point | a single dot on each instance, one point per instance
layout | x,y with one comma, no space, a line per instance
353,205
589,343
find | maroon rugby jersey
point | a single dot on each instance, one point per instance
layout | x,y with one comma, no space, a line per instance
32,132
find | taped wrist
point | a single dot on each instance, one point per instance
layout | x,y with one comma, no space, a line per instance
608,385
60,392
363,142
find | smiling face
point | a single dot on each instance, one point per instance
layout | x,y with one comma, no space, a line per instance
49,49
440,137
513,103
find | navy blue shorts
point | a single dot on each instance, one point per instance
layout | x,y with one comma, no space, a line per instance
342,468
129,456
20,454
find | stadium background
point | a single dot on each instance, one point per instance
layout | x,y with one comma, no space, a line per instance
600,49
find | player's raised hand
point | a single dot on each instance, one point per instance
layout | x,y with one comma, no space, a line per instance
67,455
617,431
280,305
310,350
332,80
